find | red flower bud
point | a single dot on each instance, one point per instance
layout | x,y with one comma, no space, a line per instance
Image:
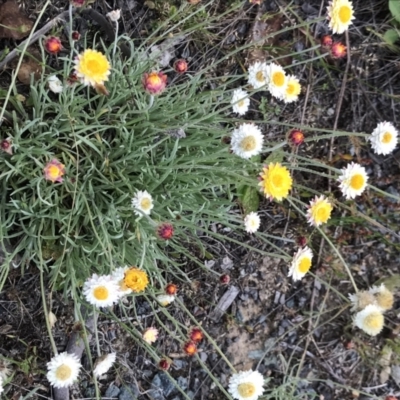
196,335
225,279
154,82
53,45
165,231
75,35
171,289
6,146
338,50
164,364
180,66
190,348
296,137
326,41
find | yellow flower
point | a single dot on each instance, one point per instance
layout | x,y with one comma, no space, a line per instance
276,181
136,279
92,67
54,171
319,211
340,15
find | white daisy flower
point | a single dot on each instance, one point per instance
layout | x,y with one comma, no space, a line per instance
103,364
118,275
370,320
278,80
293,89
165,299
246,385
150,335
301,263
252,222
55,84
142,203
384,298
63,370
101,291
240,102
384,138
258,74
353,180
247,141
340,14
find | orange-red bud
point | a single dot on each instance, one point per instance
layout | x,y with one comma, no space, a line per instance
53,45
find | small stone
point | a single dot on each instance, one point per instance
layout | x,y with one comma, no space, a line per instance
129,392
112,391
163,384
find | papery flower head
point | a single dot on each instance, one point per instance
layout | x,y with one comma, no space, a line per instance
296,137
171,289
301,263
103,364
165,299
319,211
154,82
180,66
384,298
165,231
164,364
370,320
6,146
252,222
276,181
361,299
118,275
114,15
92,67
136,279
101,291
63,370
142,202
224,279
150,335
75,35
353,180
247,141
258,74
55,84
246,385
196,335
340,14
326,41
338,50
278,81
293,89
240,102
190,348
54,171
53,45
384,138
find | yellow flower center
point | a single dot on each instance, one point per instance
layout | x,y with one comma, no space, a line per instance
248,143
136,279
154,79
304,265
100,293
145,203
374,320
345,14
54,172
93,66
277,180
321,212
357,182
387,137
246,390
241,103
290,88
63,372
260,76
278,78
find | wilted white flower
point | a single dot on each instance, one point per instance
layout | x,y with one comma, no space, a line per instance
353,180
63,370
258,74
150,335
301,263
252,222
246,385
165,299
361,299
114,15
142,203
101,291
247,141
384,298
384,138
103,364
240,102
370,319
55,84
